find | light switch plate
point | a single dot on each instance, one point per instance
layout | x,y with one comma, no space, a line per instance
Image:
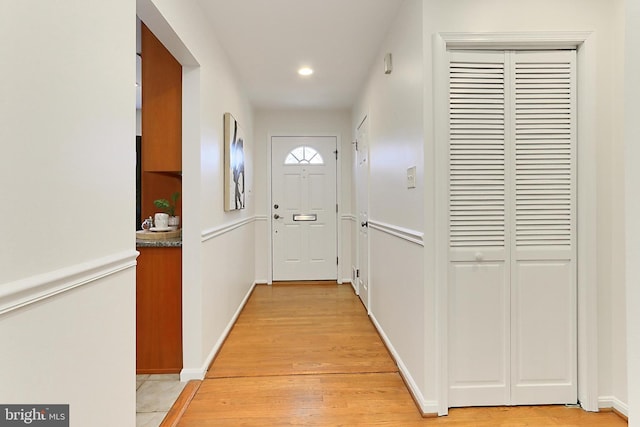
411,177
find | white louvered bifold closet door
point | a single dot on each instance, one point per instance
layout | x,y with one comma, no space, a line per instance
478,271
512,329
543,260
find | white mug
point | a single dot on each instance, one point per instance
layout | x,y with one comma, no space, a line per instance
161,220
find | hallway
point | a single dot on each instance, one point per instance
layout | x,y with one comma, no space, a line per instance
307,354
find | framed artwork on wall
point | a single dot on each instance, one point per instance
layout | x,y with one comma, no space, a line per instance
234,186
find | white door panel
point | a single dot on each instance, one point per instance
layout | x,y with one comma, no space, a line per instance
479,294
543,329
479,340
304,208
294,244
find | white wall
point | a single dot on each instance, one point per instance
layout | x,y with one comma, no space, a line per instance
76,348
68,174
218,246
632,184
394,106
304,122
604,18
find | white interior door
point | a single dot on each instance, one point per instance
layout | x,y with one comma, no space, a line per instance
362,177
303,208
512,257
479,294
543,228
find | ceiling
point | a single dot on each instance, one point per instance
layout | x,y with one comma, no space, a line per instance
267,41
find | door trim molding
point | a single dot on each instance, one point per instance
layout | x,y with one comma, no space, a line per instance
337,136
584,43
515,40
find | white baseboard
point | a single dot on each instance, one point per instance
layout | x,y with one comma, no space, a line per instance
192,374
353,285
612,402
199,373
426,406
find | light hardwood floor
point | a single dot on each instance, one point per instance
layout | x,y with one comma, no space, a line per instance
303,354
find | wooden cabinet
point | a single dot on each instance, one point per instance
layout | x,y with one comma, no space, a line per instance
159,310
161,144
161,107
159,270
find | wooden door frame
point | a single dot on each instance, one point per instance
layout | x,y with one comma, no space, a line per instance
270,136
587,334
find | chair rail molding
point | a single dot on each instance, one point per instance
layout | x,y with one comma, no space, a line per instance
14,295
403,233
214,232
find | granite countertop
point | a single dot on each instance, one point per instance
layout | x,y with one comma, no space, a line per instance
149,239
169,243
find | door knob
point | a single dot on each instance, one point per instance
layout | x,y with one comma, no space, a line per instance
364,224
276,216
276,206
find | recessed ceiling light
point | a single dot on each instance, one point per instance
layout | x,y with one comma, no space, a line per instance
305,71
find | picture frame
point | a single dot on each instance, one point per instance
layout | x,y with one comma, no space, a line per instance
234,164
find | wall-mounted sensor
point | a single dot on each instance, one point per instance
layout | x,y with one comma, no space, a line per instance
388,64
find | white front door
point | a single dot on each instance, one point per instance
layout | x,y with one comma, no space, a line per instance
362,155
303,208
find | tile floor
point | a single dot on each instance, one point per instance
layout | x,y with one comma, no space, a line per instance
155,395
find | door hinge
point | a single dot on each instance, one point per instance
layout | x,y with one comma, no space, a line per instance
356,143
337,262
336,208
336,152
358,272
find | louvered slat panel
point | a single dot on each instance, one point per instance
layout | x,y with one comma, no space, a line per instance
477,155
543,153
